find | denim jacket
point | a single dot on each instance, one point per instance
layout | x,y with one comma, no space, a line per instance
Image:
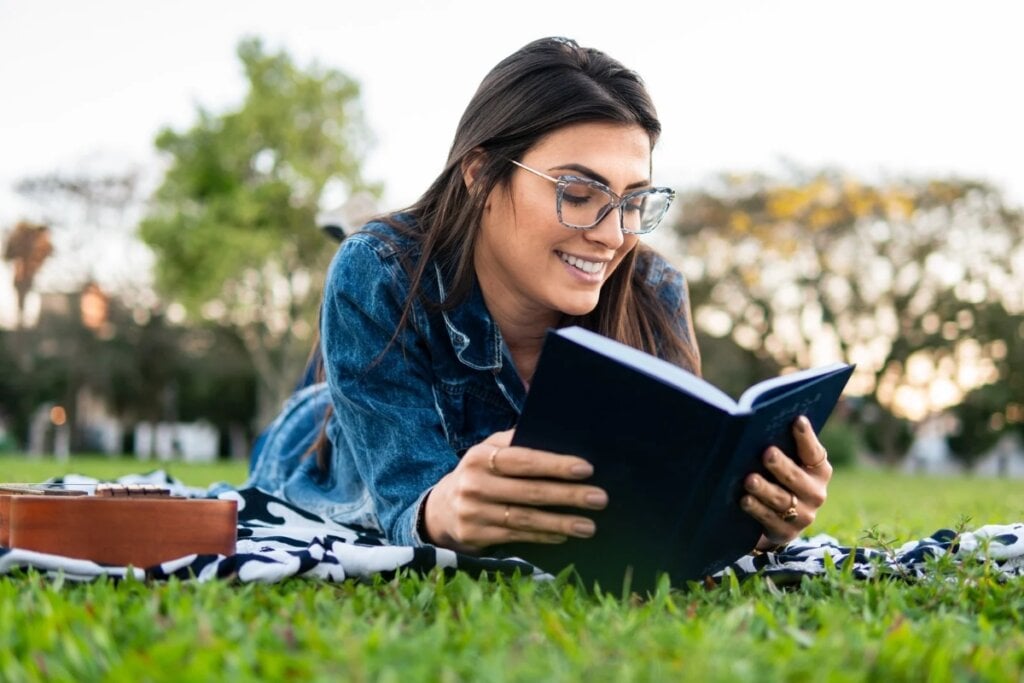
404,411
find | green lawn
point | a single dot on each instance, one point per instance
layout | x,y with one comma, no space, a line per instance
962,624
41,468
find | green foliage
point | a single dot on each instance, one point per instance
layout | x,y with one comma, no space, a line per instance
144,370
234,223
959,624
243,187
993,410
19,392
842,441
976,433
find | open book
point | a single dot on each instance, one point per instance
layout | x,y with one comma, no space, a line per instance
670,449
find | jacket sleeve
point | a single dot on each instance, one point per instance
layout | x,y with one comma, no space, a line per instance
381,385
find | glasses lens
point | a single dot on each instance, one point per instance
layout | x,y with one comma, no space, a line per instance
581,205
642,211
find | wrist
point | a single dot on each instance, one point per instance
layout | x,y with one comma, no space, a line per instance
422,530
430,525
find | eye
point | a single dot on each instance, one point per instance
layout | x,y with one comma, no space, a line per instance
634,203
581,194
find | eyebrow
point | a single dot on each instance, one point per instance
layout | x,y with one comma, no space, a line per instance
591,173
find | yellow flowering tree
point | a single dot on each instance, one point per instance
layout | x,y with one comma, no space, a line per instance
896,276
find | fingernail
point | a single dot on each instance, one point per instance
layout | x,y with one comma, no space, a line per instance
745,502
803,424
770,455
753,483
597,499
583,529
584,469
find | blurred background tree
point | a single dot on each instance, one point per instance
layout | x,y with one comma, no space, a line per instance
141,367
92,214
919,282
27,247
233,225
991,411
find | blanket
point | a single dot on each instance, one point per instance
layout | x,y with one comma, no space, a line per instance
278,541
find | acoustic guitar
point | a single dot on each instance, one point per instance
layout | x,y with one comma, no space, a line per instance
118,525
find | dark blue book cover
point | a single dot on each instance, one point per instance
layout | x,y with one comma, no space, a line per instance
670,449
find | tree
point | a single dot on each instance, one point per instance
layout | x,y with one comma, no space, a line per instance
990,411
92,214
891,276
233,223
141,366
27,247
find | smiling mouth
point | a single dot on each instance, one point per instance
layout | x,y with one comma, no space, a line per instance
589,267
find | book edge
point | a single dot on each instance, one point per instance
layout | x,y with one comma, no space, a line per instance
650,366
754,392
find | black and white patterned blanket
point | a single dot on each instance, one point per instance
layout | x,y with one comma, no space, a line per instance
277,541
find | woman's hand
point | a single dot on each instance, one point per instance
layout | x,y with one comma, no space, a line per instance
498,492
787,508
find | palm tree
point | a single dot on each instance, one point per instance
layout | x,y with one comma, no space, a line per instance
27,248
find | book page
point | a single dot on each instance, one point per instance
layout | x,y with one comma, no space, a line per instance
651,366
766,388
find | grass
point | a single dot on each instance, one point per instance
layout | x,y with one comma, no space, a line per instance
41,468
961,624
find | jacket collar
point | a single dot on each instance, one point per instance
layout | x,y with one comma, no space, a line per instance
474,334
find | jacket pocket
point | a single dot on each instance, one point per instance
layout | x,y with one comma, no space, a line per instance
470,412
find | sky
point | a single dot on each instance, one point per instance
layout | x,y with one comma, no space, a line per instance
881,89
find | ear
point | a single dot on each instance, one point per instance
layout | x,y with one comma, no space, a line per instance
471,166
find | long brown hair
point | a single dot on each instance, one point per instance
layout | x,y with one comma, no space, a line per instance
544,86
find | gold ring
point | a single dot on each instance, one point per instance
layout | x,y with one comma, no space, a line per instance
508,511
816,465
790,514
490,462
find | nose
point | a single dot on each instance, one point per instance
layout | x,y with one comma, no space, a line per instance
608,231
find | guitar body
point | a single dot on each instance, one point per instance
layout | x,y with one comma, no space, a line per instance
141,531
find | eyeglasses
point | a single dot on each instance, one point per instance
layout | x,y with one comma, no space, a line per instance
583,203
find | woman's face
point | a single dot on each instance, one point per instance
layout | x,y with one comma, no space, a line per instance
531,267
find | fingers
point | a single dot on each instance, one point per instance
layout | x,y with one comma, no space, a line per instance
780,511
808,481
810,451
776,528
770,495
516,461
501,493
792,481
483,525
510,523
500,439
534,492
524,476
801,486
790,477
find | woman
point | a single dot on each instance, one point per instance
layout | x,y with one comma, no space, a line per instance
433,319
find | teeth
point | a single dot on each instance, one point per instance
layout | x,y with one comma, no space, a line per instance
586,266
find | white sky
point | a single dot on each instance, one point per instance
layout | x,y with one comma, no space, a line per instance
891,87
